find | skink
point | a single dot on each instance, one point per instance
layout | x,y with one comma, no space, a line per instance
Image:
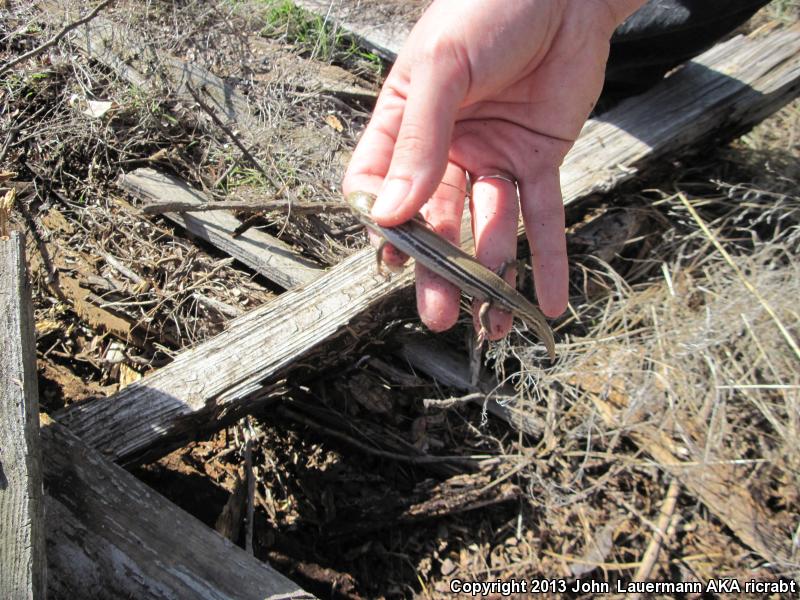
418,241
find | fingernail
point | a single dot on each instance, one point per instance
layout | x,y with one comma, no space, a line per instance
391,195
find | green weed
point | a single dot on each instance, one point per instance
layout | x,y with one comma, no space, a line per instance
313,36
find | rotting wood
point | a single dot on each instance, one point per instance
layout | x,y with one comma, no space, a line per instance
22,544
263,253
110,536
732,87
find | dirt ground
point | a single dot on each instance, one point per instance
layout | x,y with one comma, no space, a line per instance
663,339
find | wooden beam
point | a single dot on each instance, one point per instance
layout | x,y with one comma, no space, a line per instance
731,89
22,546
313,325
263,253
133,59
111,536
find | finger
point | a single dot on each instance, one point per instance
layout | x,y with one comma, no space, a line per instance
370,162
543,215
373,153
437,298
423,141
495,214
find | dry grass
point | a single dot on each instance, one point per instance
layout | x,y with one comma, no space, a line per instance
664,337
690,336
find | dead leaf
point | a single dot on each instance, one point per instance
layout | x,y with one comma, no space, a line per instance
334,122
127,375
97,108
46,326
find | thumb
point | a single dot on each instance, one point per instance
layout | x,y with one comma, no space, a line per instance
436,90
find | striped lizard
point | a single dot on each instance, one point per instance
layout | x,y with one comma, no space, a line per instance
416,239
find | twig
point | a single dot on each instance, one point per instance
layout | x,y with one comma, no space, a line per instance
241,205
221,307
233,137
245,225
448,402
750,287
414,460
660,536
55,39
249,434
117,265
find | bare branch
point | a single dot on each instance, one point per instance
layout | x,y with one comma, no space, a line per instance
242,205
55,39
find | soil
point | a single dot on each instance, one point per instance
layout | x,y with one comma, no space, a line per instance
344,504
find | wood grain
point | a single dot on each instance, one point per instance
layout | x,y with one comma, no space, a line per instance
310,326
22,546
261,252
733,87
110,536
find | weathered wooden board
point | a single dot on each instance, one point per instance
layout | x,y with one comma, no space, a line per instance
110,536
261,252
732,88
310,325
381,27
134,60
722,92
22,546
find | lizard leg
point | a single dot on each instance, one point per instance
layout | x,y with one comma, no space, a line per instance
483,312
504,266
483,319
379,258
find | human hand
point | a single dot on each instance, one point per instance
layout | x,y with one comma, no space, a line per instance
493,88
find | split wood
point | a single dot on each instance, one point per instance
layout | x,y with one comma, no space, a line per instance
733,84
22,527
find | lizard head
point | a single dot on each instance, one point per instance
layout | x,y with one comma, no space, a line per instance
361,202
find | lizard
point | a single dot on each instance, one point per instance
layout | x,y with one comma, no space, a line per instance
416,239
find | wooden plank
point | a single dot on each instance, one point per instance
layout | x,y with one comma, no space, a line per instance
311,326
22,548
110,536
133,60
381,27
261,252
720,94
